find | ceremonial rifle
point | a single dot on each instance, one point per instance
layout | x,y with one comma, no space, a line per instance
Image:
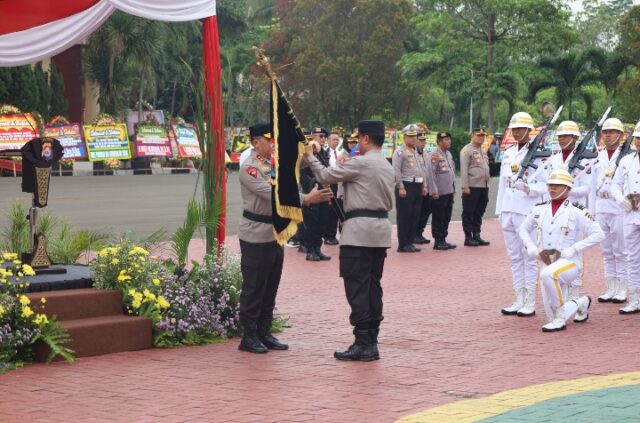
625,148
581,152
529,160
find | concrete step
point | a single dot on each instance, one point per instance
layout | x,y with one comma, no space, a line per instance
73,304
103,335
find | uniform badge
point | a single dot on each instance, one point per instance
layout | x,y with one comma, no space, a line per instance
608,172
515,167
252,171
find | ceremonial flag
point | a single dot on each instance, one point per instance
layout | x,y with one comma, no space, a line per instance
287,135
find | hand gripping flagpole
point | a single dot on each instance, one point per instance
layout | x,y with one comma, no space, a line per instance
263,62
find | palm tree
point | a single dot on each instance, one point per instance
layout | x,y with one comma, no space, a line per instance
568,74
610,65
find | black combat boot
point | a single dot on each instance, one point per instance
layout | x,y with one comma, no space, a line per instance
361,350
480,241
265,336
469,240
375,330
302,248
440,245
250,341
322,255
312,255
449,245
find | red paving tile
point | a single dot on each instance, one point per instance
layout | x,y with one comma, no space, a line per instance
443,340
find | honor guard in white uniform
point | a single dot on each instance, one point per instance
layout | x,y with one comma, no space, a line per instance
626,192
556,233
610,215
516,199
583,191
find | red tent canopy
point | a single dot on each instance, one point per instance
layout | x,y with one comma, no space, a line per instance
31,30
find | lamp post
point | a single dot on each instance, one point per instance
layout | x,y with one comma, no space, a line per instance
471,105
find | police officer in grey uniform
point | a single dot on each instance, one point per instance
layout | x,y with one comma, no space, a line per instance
368,181
425,203
474,175
410,187
262,257
441,188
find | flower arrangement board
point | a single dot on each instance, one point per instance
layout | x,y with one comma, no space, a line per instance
152,141
16,130
186,138
70,136
107,142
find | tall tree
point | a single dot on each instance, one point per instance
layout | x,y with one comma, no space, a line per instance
568,74
599,22
492,36
344,54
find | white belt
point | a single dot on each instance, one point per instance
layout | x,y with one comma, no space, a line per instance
419,180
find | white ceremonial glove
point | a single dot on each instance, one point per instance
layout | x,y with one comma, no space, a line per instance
532,251
623,203
568,252
521,185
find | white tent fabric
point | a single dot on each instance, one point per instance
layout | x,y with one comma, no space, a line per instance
37,43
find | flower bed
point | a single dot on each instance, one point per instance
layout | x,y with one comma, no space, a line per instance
22,323
196,307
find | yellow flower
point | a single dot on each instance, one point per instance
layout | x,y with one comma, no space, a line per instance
17,262
148,295
156,281
1,310
43,300
41,319
28,270
26,311
24,300
161,302
131,292
115,261
10,256
138,250
136,303
20,274
124,278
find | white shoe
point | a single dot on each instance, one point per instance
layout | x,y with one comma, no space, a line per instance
610,292
582,314
633,303
621,291
529,307
558,322
517,304
573,293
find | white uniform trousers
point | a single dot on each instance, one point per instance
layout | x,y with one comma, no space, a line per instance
555,280
632,241
524,269
614,250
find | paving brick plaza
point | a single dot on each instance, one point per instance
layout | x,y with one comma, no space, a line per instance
443,344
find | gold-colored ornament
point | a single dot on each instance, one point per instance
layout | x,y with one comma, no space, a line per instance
43,175
515,167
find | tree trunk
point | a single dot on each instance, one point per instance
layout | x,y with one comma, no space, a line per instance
140,98
491,40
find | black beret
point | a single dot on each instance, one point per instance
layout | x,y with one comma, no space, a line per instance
319,130
443,134
260,129
371,127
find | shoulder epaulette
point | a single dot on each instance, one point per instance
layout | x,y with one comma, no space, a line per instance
578,205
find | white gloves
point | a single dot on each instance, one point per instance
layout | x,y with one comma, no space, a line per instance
623,203
521,185
532,251
568,252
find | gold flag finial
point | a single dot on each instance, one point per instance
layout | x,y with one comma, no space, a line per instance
263,62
